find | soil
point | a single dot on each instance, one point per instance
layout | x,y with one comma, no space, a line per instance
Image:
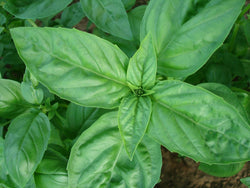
184,173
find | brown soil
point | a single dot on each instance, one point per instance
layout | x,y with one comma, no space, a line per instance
183,173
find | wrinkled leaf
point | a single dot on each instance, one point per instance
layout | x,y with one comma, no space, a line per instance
86,70
72,15
221,170
143,65
133,118
184,31
198,124
108,15
51,181
35,8
11,100
98,159
25,144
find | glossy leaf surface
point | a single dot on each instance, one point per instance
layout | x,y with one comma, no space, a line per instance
143,65
133,118
229,96
86,69
11,100
184,31
98,159
25,144
198,124
52,172
35,8
221,170
108,15
30,94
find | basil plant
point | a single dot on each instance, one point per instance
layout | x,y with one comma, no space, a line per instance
149,103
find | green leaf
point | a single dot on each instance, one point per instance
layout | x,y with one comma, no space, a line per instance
51,181
80,118
35,8
54,161
221,170
25,144
1,29
135,18
246,181
108,15
128,3
184,31
72,15
5,180
31,94
11,100
198,124
98,159
226,93
143,65
88,70
246,27
133,118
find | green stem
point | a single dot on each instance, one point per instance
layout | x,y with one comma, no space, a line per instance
244,11
32,22
233,38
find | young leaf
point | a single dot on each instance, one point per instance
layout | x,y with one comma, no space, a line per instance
198,124
31,94
35,8
186,33
221,170
133,118
98,159
108,15
86,70
143,65
25,144
11,100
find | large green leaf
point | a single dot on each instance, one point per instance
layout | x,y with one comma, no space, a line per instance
133,118
186,33
226,93
108,15
198,124
143,65
221,170
74,65
25,144
35,8
5,180
11,100
51,180
98,159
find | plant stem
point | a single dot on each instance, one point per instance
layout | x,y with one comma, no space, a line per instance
32,22
244,11
233,38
